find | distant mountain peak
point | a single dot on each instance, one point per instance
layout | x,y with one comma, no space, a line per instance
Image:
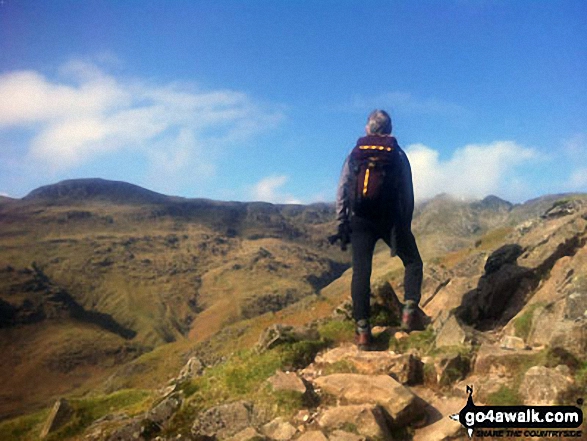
95,189
495,202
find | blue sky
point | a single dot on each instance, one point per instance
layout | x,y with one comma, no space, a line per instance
262,100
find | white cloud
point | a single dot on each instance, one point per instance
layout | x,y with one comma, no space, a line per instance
269,190
88,112
473,171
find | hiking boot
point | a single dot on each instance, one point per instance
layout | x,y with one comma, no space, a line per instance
409,316
363,336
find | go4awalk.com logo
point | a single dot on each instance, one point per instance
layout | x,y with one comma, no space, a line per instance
520,421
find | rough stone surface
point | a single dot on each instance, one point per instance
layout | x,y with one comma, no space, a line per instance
313,435
405,368
224,420
163,411
397,400
193,368
491,359
512,342
248,434
484,386
60,414
451,333
450,368
287,381
438,426
550,328
502,281
369,419
442,430
341,435
279,429
542,386
132,430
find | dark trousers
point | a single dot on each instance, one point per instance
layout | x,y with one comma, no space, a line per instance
364,235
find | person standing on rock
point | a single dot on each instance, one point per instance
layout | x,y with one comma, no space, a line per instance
375,200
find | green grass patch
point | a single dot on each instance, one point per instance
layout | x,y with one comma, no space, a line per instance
336,332
421,341
523,323
243,376
504,396
23,428
88,410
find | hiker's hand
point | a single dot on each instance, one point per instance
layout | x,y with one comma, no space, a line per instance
343,235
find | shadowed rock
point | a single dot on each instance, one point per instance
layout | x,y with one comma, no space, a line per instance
61,414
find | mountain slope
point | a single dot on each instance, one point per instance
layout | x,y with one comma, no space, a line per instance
145,272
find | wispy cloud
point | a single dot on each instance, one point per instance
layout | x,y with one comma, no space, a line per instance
473,171
269,188
87,112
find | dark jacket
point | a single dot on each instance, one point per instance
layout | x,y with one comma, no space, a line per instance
401,219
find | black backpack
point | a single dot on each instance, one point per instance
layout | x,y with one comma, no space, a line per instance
374,164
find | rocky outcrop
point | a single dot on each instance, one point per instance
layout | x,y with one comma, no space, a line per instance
402,405
60,414
224,421
501,281
404,368
542,386
279,430
368,419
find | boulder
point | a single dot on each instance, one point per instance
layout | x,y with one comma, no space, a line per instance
399,402
438,426
132,430
543,386
492,359
193,368
512,342
550,328
502,283
248,434
341,435
163,411
405,368
485,385
451,333
368,419
450,368
313,435
279,429
287,381
223,421
60,414
443,430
